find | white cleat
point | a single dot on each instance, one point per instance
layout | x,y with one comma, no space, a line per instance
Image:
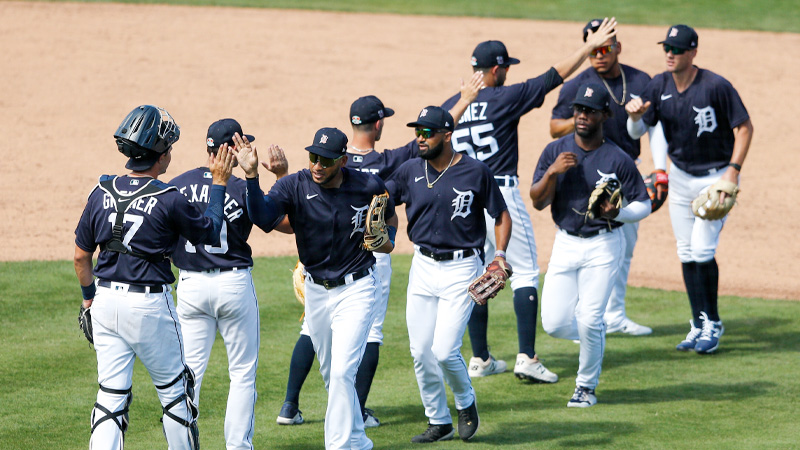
632,328
533,370
480,368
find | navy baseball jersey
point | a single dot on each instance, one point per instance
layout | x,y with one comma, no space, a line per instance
574,187
487,131
233,250
383,164
448,216
152,226
328,224
615,128
698,123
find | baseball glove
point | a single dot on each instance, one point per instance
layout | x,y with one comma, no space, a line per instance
85,323
707,206
299,282
491,282
375,231
651,182
607,190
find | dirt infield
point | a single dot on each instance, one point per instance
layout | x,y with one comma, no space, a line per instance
74,70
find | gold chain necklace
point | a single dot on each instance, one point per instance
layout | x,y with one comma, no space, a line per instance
430,185
624,88
362,152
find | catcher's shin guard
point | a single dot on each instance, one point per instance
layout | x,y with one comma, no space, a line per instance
181,431
107,399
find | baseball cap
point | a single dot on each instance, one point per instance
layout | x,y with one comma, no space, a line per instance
593,25
435,118
592,95
681,36
142,161
490,54
368,109
222,131
329,142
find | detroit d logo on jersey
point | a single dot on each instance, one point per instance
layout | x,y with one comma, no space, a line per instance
462,204
359,225
705,119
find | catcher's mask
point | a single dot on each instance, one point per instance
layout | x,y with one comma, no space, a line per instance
146,133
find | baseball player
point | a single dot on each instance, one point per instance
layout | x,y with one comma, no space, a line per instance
586,252
326,206
216,292
445,194
623,83
487,131
708,131
136,220
367,116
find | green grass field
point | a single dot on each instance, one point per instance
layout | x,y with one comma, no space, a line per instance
765,15
650,396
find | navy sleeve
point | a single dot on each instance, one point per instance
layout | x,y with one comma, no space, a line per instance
651,93
495,204
262,210
633,188
547,159
526,96
731,103
395,185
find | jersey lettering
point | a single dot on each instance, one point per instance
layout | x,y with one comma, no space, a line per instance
476,111
366,170
487,145
232,209
223,243
705,119
358,219
462,204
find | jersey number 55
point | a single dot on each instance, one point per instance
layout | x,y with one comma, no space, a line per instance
487,145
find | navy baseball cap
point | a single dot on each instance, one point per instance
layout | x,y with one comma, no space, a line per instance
222,131
329,142
368,109
435,118
593,25
490,54
681,36
594,96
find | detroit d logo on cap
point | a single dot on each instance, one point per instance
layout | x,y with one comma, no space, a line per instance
323,139
589,92
673,32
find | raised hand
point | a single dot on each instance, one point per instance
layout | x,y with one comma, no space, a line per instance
276,161
606,31
222,165
636,108
470,89
247,155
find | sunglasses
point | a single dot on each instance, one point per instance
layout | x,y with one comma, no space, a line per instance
602,50
578,109
675,50
425,133
323,161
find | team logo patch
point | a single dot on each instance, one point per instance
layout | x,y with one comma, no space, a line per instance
323,139
356,120
673,32
705,119
207,175
605,177
424,112
134,182
462,204
595,23
499,60
210,142
474,61
589,92
380,113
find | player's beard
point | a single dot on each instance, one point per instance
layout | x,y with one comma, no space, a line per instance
433,152
590,131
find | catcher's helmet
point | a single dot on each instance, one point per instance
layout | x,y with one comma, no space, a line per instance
146,128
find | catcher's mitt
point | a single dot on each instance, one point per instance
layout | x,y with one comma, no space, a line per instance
85,323
607,190
299,282
491,282
375,231
707,206
651,182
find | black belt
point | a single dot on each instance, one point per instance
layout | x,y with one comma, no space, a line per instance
507,180
133,287
446,256
590,234
705,172
330,284
219,269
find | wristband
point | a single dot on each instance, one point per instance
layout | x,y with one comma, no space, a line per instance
735,166
392,233
88,291
500,254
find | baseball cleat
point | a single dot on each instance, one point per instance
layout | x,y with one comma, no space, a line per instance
468,421
290,415
690,341
632,328
480,368
582,398
531,369
709,337
435,433
370,421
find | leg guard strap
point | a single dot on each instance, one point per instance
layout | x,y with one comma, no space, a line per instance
122,423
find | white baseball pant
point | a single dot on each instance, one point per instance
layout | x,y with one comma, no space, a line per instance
697,239
615,310
521,251
212,300
576,289
339,322
127,325
437,313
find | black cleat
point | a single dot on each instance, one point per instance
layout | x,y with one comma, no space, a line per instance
435,433
468,422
